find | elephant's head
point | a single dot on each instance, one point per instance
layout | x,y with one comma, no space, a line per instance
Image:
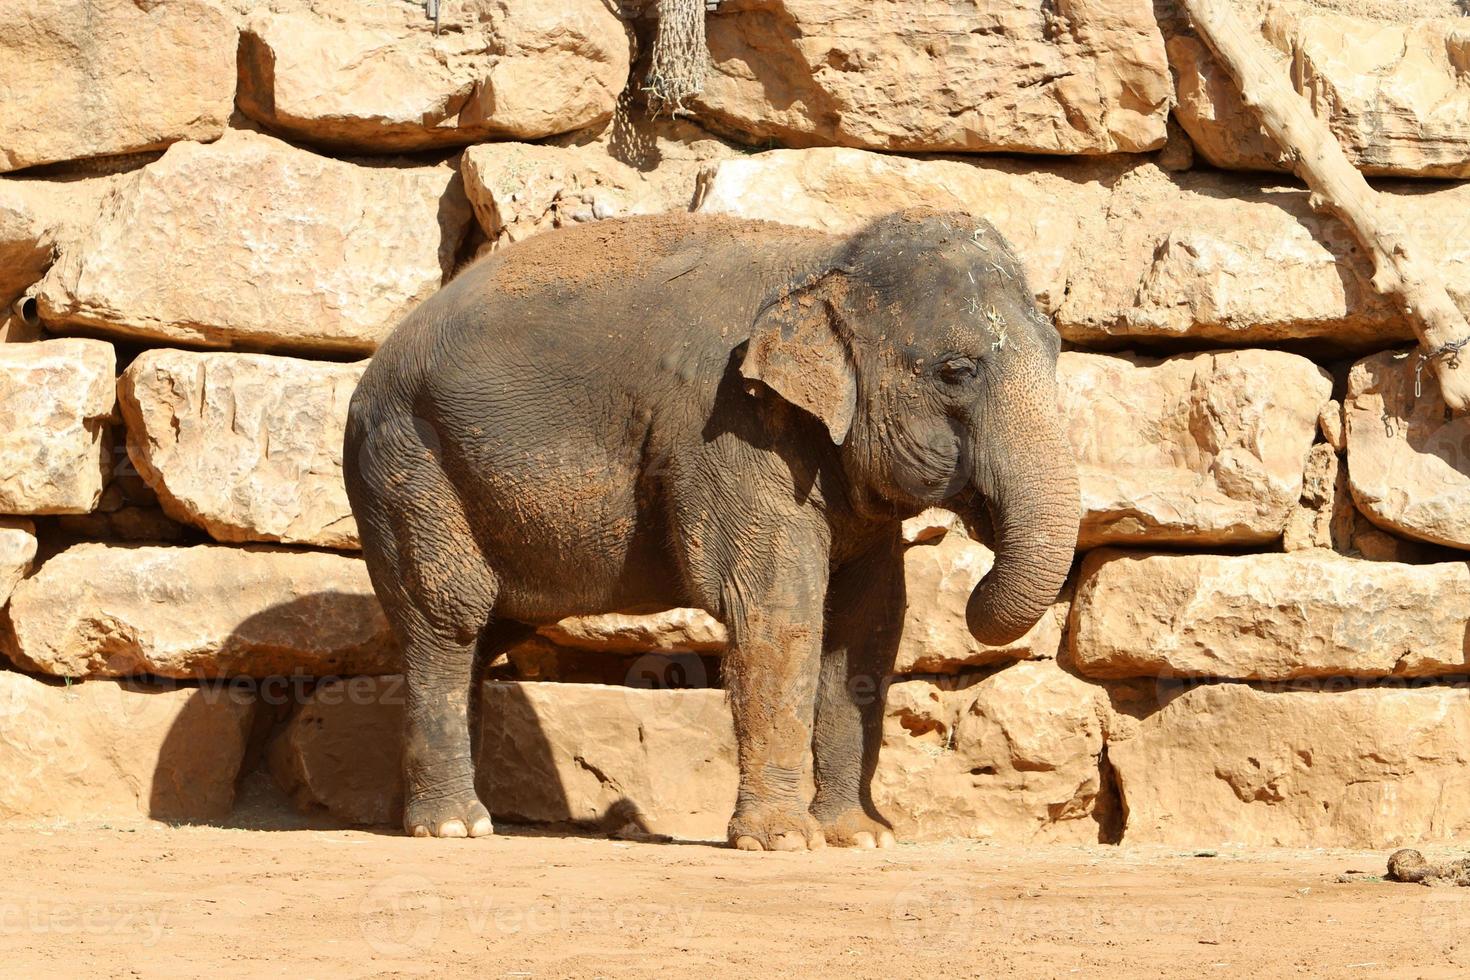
918,345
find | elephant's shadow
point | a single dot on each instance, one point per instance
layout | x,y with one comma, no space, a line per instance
326,752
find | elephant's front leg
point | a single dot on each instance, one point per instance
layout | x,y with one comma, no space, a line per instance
772,598
865,623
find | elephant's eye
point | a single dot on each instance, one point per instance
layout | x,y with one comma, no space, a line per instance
957,370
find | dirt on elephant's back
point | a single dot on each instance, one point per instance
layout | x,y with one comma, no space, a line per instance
599,254
161,901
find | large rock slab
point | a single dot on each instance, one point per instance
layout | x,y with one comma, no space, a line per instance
1203,256
108,750
56,398
671,631
1398,95
17,553
1317,766
1041,213
1408,464
1013,756
1199,448
87,78
383,77
207,611
1013,75
246,446
1268,617
1395,93
939,578
590,754
661,761
521,189
1125,253
250,242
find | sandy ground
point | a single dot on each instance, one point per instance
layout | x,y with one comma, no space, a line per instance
157,901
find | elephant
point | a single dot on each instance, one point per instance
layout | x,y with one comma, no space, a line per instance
732,415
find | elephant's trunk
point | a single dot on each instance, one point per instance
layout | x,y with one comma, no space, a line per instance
1034,510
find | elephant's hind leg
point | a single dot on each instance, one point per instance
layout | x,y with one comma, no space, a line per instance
438,594
867,606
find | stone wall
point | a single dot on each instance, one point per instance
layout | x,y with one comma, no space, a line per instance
211,211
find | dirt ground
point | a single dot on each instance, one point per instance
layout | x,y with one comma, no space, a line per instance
159,901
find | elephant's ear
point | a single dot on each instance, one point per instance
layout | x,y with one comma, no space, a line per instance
795,351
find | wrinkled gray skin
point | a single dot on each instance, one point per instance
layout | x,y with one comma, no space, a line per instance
734,416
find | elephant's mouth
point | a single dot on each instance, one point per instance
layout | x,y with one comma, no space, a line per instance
934,471
974,511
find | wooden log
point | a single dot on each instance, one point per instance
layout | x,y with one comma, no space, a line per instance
1339,188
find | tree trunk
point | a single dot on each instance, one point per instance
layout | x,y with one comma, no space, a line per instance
1338,187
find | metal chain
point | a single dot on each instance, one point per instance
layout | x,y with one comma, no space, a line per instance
1451,353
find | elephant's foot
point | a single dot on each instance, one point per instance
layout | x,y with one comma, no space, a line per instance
454,814
854,827
770,829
